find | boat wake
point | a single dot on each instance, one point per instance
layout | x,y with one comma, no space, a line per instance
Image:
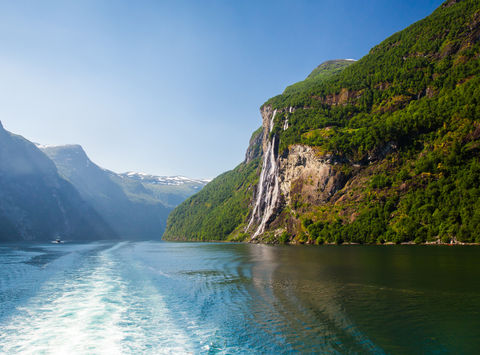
93,309
169,298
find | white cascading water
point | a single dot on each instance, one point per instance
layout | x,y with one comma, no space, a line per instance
268,187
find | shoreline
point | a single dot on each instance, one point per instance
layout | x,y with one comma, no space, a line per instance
436,243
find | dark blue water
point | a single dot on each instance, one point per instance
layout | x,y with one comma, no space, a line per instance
155,298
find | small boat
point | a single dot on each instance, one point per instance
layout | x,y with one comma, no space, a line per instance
57,241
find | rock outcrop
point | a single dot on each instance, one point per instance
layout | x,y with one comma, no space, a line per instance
254,149
306,175
300,173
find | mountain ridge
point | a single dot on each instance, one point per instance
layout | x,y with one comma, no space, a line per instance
36,203
136,205
161,179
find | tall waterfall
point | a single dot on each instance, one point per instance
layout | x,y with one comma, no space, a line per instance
268,186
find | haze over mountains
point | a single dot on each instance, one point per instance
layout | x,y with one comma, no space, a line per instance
36,203
50,191
135,205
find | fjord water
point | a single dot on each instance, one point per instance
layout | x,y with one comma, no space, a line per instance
155,297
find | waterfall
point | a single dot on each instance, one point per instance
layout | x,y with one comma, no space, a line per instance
268,186
272,121
285,125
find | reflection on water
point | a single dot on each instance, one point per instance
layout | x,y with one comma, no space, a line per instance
152,297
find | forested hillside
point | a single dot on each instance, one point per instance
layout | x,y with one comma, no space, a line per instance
221,207
398,132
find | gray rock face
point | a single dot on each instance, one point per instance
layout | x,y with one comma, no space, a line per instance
254,149
135,205
36,203
131,218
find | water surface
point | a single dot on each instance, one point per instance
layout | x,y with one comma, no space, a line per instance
155,297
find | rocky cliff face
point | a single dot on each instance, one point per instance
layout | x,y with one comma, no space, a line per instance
305,175
254,149
300,174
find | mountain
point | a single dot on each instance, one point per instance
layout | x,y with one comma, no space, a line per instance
222,205
136,205
36,203
169,190
384,149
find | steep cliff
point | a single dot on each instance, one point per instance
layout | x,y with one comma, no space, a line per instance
36,203
384,149
301,173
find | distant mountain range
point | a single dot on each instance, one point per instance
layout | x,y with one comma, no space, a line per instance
165,180
50,191
36,203
136,205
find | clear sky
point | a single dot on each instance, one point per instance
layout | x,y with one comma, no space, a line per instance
171,87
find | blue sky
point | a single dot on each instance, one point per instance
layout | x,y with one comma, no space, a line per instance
171,87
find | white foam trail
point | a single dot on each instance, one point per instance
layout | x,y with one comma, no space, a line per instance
93,311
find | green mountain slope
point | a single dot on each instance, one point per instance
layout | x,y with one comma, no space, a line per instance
221,207
397,134
319,74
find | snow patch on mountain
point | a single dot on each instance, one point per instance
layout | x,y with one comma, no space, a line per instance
139,176
164,180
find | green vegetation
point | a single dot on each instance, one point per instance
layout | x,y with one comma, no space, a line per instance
217,210
404,121
319,74
220,209
409,114
392,93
